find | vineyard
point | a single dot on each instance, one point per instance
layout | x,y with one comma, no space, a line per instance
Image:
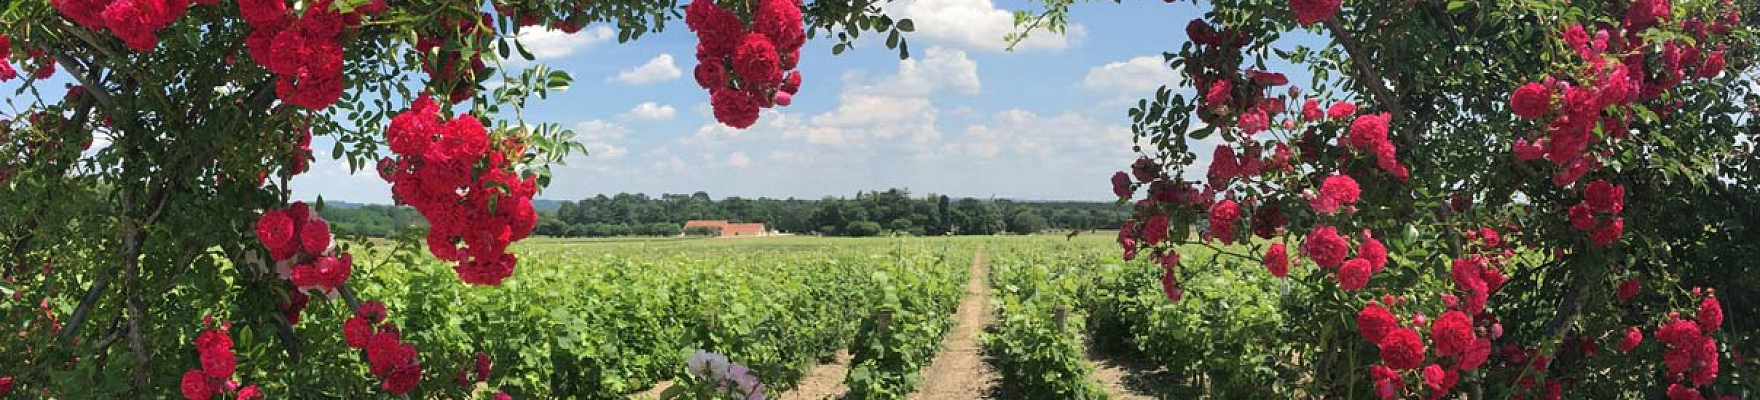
618,318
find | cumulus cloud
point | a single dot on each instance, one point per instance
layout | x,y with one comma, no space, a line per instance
659,69
976,25
601,139
938,70
546,43
1068,137
1138,76
651,111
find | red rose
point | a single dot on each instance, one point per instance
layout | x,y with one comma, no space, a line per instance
1145,169
1155,230
1223,216
1354,274
275,231
357,332
483,367
195,385
1336,191
711,74
403,379
1388,383
1121,185
1631,339
249,393
1531,100
1678,392
1475,355
1452,333
780,20
1170,285
1628,289
1373,322
1608,232
755,62
1341,110
736,108
1369,131
1277,260
1310,11
1710,314
1401,349
1604,197
1311,110
1223,166
1325,247
1374,252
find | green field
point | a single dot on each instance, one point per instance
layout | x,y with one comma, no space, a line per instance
604,318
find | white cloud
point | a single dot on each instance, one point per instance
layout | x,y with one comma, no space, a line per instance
1062,138
977,25
739,159
659,69
601,139
651,111
1134,77
938,70
549,43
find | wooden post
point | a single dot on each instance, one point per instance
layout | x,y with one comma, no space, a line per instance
1060,316
883,320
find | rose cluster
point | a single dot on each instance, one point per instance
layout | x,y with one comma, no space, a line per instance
446,67
747,68
1599,212
302,49
388,356
299,242
463,183
214,377
136,22
1619,69
1691,354
1460,341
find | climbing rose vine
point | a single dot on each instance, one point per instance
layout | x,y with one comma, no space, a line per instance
1372,182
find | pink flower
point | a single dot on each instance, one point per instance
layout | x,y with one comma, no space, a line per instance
1388,383
1604,197
1628,289
1369,131
1373,251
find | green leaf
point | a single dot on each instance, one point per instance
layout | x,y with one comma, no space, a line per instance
906,25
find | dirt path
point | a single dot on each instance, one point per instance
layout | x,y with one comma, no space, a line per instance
824,381
959,370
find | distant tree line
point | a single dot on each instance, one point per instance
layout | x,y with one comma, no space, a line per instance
893,211
866,214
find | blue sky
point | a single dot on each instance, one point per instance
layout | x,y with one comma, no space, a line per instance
962,117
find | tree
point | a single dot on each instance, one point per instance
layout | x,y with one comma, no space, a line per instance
211,107
1525,164
1026,222
862,229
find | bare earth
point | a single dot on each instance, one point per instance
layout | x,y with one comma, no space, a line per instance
959,370
824,381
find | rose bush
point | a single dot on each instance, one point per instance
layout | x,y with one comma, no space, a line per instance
1517,172
144,171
